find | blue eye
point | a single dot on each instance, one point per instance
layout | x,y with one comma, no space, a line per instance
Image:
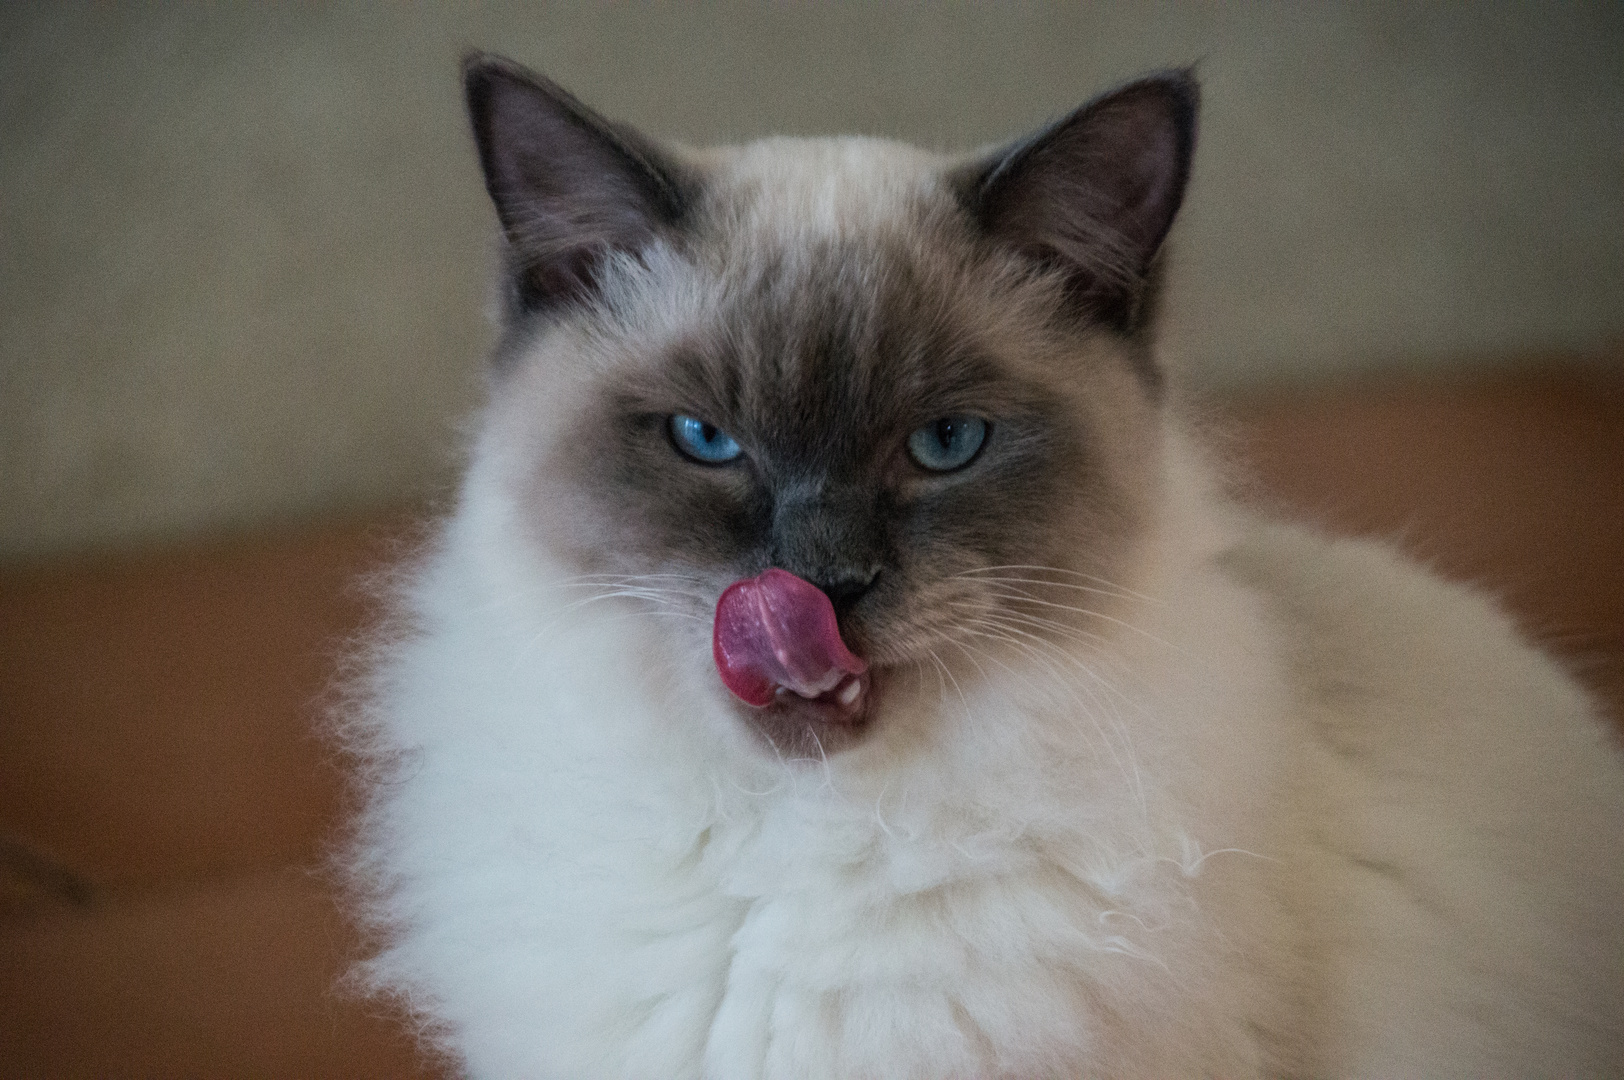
949,443
702,441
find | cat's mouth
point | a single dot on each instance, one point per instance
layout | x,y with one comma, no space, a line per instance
816,727
847,703
778,649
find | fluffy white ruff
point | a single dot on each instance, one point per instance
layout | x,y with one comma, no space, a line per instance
1310,812
587,867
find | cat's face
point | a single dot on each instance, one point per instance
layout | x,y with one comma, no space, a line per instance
828,357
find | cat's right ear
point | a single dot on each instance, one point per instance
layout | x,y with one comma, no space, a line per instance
570,188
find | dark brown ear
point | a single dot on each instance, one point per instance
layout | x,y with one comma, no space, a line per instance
570,187
1094,194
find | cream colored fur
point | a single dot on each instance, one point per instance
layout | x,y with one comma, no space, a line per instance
1303,810
1320,813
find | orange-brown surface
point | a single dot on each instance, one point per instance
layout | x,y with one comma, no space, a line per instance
162,799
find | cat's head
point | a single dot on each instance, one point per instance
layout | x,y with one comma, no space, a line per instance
923,383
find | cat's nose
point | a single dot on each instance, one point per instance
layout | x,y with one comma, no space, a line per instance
846,589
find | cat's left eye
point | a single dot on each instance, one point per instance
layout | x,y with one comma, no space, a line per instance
949,443
703,441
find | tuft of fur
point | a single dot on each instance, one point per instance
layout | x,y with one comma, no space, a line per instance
1153,788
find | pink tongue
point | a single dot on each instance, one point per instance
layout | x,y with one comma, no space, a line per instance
777,630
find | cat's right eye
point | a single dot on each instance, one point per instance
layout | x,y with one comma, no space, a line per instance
702,441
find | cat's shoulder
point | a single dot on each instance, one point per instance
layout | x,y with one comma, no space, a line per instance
1396,665
1350,605
1365,602
1462,797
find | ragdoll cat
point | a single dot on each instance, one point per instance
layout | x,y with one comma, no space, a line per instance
842,662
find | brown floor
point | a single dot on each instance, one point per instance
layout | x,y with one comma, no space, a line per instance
162,800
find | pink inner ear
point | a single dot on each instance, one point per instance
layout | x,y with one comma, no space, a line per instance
776,630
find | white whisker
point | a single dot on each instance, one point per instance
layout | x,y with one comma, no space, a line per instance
969,718
1091,614
1073,633
1100,584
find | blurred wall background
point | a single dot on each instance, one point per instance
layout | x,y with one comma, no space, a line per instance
244,248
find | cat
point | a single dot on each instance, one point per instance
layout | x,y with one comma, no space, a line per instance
843,661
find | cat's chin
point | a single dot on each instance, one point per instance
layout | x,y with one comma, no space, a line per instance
801,727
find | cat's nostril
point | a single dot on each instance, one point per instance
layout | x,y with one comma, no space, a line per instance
845,590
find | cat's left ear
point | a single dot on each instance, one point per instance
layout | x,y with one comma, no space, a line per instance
1094,194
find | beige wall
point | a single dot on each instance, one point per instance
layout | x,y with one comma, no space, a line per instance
243,251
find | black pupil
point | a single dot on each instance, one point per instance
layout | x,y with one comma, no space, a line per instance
946,432
707,432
